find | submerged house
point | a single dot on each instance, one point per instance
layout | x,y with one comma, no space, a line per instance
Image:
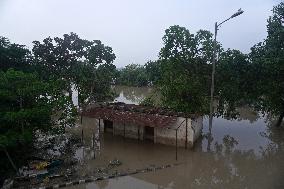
147,123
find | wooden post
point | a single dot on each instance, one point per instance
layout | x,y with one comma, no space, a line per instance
10,160
176,146
186,126
81,120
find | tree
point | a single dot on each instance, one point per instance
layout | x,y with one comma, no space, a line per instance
153,71
29,105
185,69
13,56
233,82
24,108
69,58
94,84
268,67
133,75
139,75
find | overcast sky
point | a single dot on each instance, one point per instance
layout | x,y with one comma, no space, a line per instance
133,28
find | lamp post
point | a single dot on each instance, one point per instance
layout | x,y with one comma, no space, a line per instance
239,12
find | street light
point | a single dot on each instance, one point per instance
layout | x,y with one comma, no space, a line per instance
239,12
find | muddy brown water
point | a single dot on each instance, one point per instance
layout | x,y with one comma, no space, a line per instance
243,153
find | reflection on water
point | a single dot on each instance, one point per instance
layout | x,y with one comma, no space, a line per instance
246,133
244,153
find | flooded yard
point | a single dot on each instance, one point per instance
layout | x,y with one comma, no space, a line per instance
243,153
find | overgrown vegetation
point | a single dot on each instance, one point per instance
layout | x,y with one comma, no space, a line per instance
185,70
86,65
36,89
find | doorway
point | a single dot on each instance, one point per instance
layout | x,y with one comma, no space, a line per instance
108,126
149,133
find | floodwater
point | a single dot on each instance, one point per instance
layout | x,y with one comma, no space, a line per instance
243,153
132,95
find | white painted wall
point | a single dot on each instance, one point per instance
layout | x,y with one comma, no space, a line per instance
168,136
197,125
164,135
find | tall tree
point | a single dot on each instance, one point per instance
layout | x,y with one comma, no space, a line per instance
268,63
69,58
24,108
24,105
185,69
94,84
133,75
153,71
13,55
233,82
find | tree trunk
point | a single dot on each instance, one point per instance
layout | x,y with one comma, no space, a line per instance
10,160
279,121
70,92
79,99
21,107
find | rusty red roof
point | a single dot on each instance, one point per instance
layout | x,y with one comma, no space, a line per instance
138,114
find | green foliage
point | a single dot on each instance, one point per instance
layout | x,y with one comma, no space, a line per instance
132,75
268,62
180,44
138,75
256,79
85,64
94,84
13,56
33,94
153,71
233,81
148,102
24,107
185,72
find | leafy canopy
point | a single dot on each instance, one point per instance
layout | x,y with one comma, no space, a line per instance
24,107
13,56
268,60
185,72
77,62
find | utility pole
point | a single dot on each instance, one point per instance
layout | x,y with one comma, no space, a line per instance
239,12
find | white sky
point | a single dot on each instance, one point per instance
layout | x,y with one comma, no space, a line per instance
133,28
